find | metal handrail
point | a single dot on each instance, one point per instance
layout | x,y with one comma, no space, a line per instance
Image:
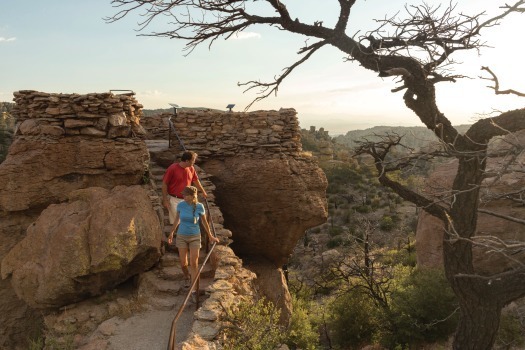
171,126
173,332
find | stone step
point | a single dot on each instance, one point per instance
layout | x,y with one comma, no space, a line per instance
156,145
169,259
162,304
157,170
150,283
174,273
157,177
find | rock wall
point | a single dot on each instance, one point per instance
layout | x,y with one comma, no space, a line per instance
96,114
216,134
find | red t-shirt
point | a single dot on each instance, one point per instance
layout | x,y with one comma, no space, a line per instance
177,177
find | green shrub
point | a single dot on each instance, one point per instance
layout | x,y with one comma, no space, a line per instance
363,209
335,231
387,223
353,321
252,325
316,229
303,328
510,332
423,309
335,242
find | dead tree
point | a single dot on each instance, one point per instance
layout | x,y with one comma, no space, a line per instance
417,50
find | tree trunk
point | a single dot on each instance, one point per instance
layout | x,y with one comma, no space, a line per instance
478,325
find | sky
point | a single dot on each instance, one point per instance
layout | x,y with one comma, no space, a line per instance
66,46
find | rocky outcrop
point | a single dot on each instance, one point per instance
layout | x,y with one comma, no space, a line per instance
63,143
63,177
268,203
18,322
488,251
97,240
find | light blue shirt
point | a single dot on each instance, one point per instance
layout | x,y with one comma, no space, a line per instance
189,218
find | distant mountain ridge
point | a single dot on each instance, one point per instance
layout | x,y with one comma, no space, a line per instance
413,136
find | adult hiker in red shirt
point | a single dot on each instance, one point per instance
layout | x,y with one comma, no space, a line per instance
177,177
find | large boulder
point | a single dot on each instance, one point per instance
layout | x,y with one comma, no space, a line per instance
268,203
41,171
97,240
488,254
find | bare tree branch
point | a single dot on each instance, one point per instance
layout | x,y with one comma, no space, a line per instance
506,217
496,85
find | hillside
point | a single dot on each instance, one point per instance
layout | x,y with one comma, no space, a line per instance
6,107
414,136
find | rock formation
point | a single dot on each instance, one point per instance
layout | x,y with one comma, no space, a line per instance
97,240
429,233
268,203
75,223
63,143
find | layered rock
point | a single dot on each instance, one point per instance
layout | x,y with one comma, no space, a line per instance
41,171
488,252
97,240
217,134
95,115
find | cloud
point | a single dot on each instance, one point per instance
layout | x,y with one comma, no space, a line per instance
245,35
151,93
2,39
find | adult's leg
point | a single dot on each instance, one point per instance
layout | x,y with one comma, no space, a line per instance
183,257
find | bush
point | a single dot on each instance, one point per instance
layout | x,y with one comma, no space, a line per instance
353,321
510,333
363,209
252,325
423,309
387,223
335,242
335,231
302,333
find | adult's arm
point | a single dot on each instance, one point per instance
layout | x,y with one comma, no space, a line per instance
199,187
175,225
